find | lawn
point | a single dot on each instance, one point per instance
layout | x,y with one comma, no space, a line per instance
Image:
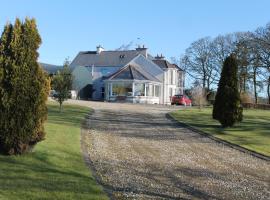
55,169
253,133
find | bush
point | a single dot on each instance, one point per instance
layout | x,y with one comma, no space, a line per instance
24,88
211,97
199,96
227,108
246,98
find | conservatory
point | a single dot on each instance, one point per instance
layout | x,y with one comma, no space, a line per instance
132,85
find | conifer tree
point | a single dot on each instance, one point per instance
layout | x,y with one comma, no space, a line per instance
227,108
24,88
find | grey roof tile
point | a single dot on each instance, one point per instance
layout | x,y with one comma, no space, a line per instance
164,64
105,58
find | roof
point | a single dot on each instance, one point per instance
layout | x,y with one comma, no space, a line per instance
104,58
50,69
131,72
164,64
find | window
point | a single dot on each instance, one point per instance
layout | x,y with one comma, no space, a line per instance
153,90
147,88
122,89
104,71
172,77
170,92
180,79
139,89
157,90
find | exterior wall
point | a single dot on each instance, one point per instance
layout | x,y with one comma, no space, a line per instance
169,85
84,75
137,99
173,84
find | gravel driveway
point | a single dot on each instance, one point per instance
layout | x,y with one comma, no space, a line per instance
138,153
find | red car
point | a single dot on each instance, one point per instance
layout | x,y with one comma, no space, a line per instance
181,100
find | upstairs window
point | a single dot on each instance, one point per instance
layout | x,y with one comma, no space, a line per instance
172,77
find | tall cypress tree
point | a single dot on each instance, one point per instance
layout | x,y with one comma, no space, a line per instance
227,108
24,88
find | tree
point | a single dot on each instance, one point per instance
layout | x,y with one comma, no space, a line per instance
197,62
62,84
261,37
227,109
222,47
199,96
242,52
24,88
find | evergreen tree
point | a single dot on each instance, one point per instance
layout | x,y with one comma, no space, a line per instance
227,109
62,84
24,88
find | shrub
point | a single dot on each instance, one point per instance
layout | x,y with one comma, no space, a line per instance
24,88
227,108
246,98
199,96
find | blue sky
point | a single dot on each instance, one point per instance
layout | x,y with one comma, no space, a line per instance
167,27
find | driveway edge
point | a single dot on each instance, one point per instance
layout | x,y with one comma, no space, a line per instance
86,157
232,145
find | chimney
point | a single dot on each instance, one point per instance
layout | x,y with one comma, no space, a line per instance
142,50
99,49
161,57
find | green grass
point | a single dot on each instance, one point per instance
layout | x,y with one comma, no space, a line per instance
253,133
55,169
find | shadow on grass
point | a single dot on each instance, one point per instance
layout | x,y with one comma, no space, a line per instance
55,170
34,172
253,132
70,115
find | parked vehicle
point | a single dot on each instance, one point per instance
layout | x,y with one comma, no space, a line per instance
54,94
181,100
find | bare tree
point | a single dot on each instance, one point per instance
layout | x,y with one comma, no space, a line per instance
242,53
197,62
261,37
222,47
203,60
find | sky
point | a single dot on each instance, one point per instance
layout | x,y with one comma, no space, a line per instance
164,26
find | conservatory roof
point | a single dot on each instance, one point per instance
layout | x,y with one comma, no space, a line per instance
131,72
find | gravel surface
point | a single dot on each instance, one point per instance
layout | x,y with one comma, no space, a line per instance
138,153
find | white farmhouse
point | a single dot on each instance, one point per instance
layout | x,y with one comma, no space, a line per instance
126,76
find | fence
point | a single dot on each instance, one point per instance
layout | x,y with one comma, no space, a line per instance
257,106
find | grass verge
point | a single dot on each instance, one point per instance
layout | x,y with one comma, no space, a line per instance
55,169
253,133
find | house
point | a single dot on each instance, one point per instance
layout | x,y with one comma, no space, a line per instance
128,76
